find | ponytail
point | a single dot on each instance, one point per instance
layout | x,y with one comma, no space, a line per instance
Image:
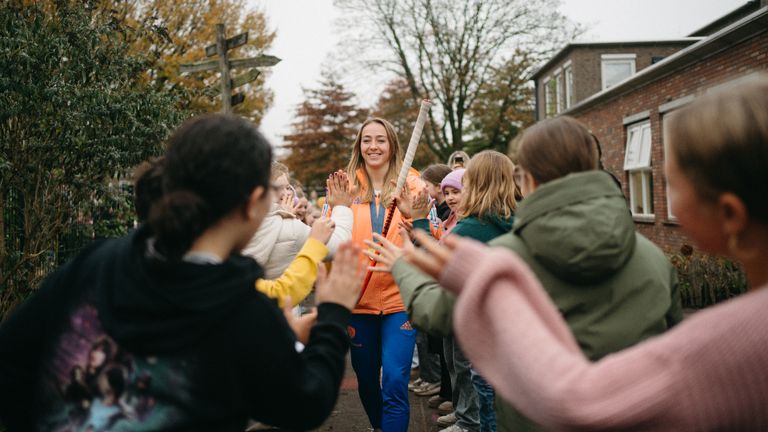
211,166
176,220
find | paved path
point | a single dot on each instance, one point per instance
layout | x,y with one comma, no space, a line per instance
348,415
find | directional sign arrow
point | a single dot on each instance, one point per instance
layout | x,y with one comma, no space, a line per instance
233,42
198,67
215,88
260,61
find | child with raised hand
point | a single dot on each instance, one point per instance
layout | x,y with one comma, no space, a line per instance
297,279
282,235
186,342
704,374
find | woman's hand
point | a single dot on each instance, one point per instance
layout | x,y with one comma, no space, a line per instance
432,257
403,198
322,229
339,190
406,225
344,283
420,205
386,252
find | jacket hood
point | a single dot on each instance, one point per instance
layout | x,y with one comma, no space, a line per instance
156,306
262,244
578,227
497,222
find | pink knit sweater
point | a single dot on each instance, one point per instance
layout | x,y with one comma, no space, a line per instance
708,373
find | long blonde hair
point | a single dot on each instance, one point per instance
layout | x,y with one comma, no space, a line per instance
356,162
489,186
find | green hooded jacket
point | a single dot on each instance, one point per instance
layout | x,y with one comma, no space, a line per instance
613,286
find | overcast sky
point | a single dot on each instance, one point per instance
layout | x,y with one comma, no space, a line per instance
306,38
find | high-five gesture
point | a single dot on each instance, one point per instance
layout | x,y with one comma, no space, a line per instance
343,284
433,256
420,205
403,197
386,252
340,192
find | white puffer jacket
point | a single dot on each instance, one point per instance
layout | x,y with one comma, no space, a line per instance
281,236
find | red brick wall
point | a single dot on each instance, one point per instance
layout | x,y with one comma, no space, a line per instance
586,62
606,121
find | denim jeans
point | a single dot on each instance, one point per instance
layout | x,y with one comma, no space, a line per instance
429,363
464,396
486,398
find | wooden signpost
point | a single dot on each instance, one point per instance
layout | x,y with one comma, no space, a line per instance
225,85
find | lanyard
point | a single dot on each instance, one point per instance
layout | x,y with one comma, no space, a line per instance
377,217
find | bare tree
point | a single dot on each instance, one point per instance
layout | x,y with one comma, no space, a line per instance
449,50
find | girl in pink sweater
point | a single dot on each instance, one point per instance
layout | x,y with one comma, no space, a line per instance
708,373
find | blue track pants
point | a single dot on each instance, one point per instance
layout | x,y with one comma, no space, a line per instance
382,348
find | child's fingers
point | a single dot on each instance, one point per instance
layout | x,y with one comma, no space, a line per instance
427,242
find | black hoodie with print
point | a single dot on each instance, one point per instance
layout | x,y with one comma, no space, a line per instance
115,340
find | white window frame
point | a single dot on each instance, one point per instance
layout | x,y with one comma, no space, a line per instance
670,215
568,74
547,96
637,162
607,59
558,77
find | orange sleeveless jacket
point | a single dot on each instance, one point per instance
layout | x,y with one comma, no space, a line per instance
382,295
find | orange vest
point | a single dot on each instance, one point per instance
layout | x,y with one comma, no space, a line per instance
382,295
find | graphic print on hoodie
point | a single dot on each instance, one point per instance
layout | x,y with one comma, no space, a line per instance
95,385
119,340
137,346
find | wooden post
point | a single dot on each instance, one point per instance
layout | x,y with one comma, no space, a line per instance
224,65
226,82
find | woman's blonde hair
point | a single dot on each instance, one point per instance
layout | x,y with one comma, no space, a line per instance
489,186
720,143
356,162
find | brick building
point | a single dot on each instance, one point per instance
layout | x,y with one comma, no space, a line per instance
628,115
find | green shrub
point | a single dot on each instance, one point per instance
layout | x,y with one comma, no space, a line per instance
76,112
705,280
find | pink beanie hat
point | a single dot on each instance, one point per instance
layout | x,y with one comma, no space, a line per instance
453,179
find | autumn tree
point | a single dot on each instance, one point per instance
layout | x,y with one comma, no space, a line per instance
449,50
396,105
324,132
177,31
504,106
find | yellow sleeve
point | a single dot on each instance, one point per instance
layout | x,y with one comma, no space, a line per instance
297,280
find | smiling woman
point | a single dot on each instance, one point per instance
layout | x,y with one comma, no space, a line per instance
375,161
382,337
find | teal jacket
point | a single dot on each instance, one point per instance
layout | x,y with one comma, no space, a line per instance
429,306
613,286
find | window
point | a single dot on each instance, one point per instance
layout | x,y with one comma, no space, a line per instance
550,95
616,67
670,216
558,92
568,86
637,163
